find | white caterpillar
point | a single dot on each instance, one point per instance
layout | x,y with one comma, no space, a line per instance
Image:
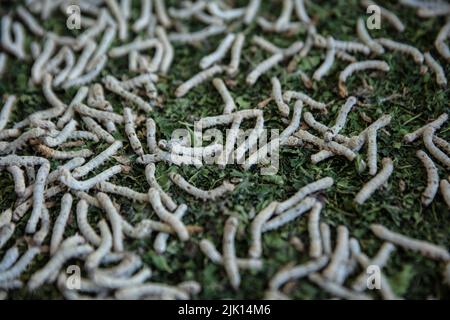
289,95
376,182
61,222
225,94
263,67
38,197
67,178
441,79
425,248
199,78
432,178
365,37
256,229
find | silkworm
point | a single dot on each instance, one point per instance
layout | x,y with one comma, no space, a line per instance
83,59
3,63
69,60
403,48
330,146
60,223
59,155
197,36
289,215
296,272
94,259
19,267
114,218
441,79
225,94
441,143
344,56
329,61
166,61
336,289
301,12
166,216
219,53
225,14
99,132
445,191
428,135
359,66
120,18
251,11
9,133
136,45
336,267
289,95
440,44
315,247
266,45
236,52
263,67
187,11
305,191
286,11
5,217
42,233
229,252
6,111
89,76
6,232
19,180
387,15
311,121
9,258
376,182
131,132
196,80
15,48
38,66
326,238
145,17
106,281
365,37
263,216
107,187
83,225
62,136
278,97
160,243
204,195
67,178
151,179
56,263
93,31
436,124
98,114
432,178
38,197
98,160
106,41
151,289
426,249
30,21
161,13
251,141
208,248
114,85
14,160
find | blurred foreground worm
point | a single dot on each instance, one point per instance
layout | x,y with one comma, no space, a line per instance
166,216
305,191
196,80
262,217
229,252
376,182
445,191
20,265
160,243
277,95
315,246
220,52
38,197
428,135
426,249
336,289
61,222
9,258
204,195
432,178
359,66
296,272
441,79
365,37
386,15
440,44
336,269
6,111
402,48
114,219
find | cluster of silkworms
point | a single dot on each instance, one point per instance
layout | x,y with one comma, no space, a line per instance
48,155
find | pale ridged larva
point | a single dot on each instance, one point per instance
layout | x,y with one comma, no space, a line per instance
427,249
199,78
445,191
428,135
225,94
365,37
432,178
335,289
6,111
114,219
441,79
315,247
263,67
67,178
376,182
261,218
160,243
403,48
387,15
94,259
436,124
220,52
130,131
277,95
83,225
289,95
19,267
38,197
61,222
108,187
151,179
